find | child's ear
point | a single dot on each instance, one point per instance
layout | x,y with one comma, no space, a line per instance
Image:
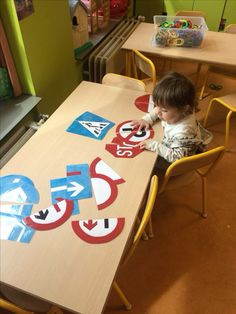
187,110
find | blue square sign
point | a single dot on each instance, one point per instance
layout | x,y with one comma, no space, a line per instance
91,125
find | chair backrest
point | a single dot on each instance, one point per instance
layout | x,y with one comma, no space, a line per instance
202,163
118,80
190,13
231,28
146,216
144,65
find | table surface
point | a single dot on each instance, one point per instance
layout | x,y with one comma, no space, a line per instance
56,265
216,48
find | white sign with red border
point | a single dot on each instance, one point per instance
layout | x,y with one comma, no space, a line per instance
98,230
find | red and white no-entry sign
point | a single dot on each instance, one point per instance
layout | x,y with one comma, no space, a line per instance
127,133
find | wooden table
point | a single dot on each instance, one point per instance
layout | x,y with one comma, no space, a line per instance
56,265
217,48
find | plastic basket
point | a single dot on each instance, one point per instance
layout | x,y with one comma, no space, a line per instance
180,31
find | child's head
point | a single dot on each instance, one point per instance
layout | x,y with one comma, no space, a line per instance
175,97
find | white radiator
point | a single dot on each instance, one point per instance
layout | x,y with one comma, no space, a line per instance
108,56
18,139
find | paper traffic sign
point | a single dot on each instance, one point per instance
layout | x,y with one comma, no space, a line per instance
104,182
12,228
16,209
91,125
50,217
98,230
127,133
19,193
123,150
98,166
80,174
144,103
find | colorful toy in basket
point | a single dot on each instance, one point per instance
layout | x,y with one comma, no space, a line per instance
178,31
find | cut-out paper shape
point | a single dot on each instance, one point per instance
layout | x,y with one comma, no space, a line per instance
123,150
14,229
98,230
144,103
16,209
79,174
15,178
105,191
127,133
65,189
98,166
19,193
104,182
91,125
51,217
59,191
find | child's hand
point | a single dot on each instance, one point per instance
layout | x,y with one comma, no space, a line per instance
142,144
140,124
149,145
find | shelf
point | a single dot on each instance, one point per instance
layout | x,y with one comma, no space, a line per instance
14,110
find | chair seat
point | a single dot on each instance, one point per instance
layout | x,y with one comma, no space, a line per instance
229,100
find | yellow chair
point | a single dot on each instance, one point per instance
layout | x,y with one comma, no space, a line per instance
228,102
185,170
141,229
144,69
19,303
222,70
118,80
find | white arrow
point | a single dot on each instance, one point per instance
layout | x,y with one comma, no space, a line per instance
77,188
59,188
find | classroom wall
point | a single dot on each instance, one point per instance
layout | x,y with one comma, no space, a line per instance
47,40
214,9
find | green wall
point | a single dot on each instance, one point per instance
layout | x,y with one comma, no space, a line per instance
230,12
212,8
47,40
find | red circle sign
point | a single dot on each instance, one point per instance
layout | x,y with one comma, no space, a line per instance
127,133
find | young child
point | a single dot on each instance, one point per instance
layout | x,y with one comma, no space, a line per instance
175,105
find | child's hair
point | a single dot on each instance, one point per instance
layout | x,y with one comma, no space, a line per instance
176,90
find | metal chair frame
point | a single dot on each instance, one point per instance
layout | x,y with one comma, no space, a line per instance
141,229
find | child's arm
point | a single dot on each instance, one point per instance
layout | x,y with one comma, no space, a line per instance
146,120
170,154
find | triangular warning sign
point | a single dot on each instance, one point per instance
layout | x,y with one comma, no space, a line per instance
94,127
